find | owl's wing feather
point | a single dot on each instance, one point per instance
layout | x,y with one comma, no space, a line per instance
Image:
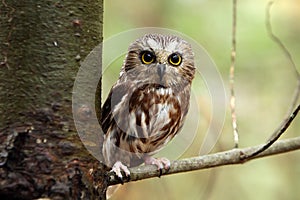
106,114
114,98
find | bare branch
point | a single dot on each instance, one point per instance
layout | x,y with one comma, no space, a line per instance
286,123
232,68
277,40
234,156
291,112
286,53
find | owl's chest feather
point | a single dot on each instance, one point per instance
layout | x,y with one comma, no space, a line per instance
155,113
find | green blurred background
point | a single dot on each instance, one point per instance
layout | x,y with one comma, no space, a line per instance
264,86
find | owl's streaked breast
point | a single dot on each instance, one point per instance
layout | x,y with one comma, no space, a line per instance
157,114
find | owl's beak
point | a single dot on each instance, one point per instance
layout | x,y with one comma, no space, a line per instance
161,69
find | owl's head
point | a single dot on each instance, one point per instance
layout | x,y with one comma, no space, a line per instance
166,60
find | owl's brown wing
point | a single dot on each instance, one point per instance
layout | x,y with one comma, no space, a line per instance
114,98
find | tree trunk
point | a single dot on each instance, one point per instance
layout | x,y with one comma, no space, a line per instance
41,46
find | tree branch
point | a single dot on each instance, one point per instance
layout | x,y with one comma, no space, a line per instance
291,114
275,136
231,76
234,156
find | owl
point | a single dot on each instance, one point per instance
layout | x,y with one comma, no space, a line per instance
148,104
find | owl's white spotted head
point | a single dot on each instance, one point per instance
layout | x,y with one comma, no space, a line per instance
166,60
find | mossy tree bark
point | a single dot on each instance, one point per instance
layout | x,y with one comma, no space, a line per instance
41,46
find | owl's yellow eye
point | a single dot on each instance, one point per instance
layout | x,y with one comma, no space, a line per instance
175,59
147,57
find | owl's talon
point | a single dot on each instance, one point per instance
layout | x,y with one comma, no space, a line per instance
121,180
117,168
160,173
161,163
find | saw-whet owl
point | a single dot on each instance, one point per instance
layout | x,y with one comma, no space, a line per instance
148,104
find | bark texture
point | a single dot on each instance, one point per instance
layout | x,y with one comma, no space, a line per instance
41,46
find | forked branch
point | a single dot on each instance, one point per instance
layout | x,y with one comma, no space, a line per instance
231,157
235,156
291,112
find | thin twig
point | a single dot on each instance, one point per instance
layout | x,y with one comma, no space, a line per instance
232,68
291,112
286,53
234,156
286,123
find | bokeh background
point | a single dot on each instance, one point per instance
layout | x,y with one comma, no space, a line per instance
264,88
